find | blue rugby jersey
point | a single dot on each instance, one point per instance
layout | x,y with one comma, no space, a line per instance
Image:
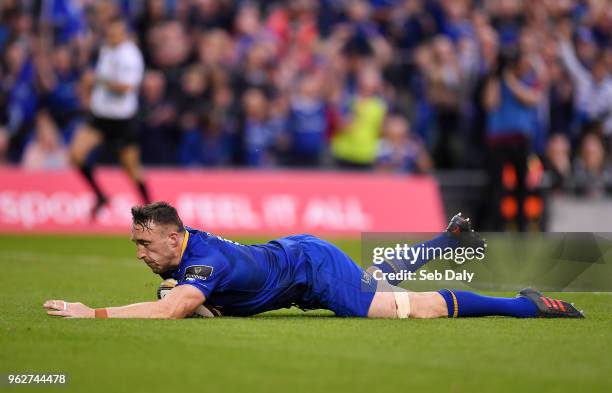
242,280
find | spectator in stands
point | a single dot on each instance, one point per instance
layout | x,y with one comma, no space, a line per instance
152,17
211,14
488,44
258,136
354,146
215,49
193,98
192,104
400,150
561,102
170,48
250,31
219,129
256,71
58,86
63,19
507,17
46,151
511,97
21,100
445,79
307,124
208,143
559,163
157,116
593,88
364,40
593,175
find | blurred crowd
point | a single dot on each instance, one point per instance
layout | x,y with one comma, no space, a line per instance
390,85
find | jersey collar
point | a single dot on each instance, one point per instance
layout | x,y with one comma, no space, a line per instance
184,246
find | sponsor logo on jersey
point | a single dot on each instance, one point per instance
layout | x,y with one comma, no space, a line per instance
198,272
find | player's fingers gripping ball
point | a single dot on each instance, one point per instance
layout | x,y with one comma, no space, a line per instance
167,285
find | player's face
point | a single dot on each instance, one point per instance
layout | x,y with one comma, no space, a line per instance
157,246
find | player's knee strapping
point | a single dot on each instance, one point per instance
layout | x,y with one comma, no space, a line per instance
402,304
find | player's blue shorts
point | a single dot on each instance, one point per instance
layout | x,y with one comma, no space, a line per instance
335,281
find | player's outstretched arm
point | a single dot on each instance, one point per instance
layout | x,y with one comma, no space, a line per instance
179,303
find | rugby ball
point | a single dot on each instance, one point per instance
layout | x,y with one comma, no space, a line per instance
167,285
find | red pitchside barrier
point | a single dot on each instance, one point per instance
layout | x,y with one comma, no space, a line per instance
226,202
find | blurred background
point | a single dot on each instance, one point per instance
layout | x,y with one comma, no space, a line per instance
506,104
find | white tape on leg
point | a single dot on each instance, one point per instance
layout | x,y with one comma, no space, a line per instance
402,303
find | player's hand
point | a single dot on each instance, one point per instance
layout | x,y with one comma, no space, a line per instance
62,308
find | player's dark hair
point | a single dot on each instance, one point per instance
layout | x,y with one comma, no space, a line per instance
160,213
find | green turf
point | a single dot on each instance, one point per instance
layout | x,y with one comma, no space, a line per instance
281,351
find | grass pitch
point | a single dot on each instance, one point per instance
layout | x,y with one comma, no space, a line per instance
280,351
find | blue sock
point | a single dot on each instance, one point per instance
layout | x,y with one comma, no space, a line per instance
470,304
441,241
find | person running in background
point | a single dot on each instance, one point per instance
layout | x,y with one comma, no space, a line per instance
113,107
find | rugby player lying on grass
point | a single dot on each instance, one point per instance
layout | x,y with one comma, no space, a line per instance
242,280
